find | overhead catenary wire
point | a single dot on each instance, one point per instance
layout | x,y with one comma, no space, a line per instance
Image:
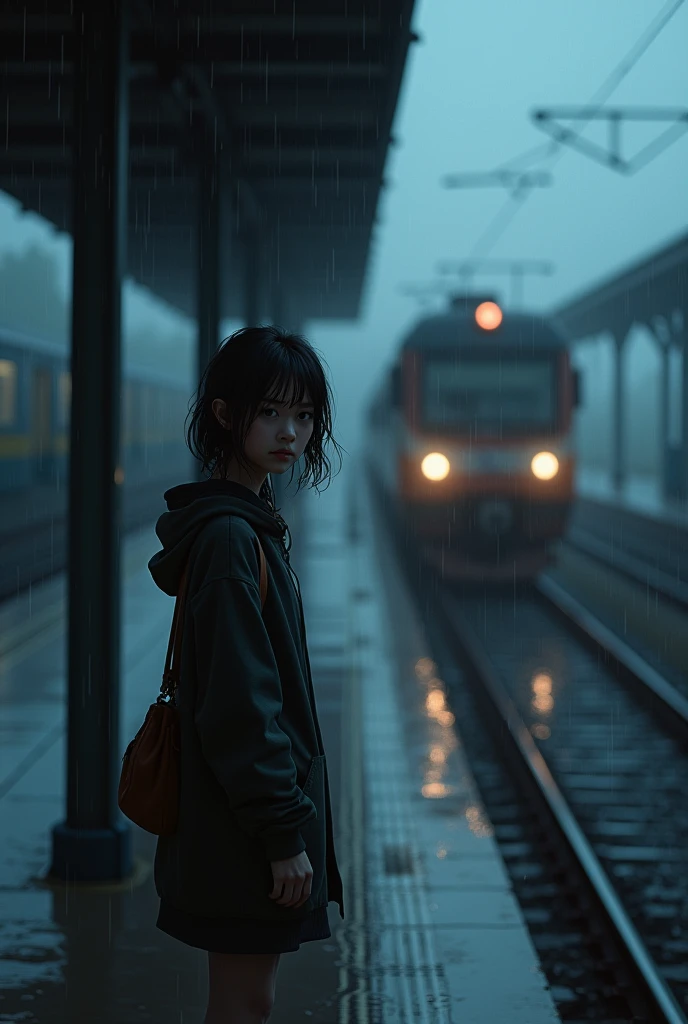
552,152
639,48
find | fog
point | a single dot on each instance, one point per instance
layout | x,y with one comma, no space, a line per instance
495,589
470,86
471,82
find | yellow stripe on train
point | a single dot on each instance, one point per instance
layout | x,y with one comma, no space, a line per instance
22,446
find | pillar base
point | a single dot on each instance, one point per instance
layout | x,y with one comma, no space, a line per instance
91,854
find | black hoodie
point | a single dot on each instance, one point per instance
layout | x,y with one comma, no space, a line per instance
254,784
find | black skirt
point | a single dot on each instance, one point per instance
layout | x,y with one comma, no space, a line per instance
237,935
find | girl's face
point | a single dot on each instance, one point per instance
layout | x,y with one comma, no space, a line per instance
278,435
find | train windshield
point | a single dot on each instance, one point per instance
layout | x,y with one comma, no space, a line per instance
490,396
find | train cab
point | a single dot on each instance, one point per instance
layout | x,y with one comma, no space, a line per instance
470,436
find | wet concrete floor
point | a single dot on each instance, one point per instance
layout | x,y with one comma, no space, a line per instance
431,917
86,955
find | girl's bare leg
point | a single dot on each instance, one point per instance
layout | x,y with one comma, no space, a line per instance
241,987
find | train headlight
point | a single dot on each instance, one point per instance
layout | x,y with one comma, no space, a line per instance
488,315
435,466
545,465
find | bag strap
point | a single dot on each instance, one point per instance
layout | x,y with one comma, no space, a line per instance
170,676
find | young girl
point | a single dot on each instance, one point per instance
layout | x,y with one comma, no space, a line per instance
251,868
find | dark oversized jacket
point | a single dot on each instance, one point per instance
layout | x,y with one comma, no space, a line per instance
254,784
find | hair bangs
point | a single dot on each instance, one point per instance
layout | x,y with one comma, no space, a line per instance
296,380
254,365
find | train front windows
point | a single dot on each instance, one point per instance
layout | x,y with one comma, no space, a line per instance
490,397
8,393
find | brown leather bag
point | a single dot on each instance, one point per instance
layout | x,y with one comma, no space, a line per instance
149,782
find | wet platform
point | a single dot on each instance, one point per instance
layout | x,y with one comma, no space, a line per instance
433,932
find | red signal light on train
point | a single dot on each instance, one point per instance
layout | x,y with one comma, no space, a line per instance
488,315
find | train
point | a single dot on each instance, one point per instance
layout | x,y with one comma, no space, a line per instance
469,440
35,396
35,400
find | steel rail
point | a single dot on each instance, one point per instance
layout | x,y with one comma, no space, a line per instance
447,627
49,556
661,1004
674,590
650,684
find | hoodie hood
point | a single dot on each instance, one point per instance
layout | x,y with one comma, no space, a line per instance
190,506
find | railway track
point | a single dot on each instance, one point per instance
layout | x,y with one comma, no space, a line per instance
669,586
33,552
667,698
651,552
642,621
580,750
605,772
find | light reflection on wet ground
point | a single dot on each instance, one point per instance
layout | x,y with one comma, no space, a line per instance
619,768
83,956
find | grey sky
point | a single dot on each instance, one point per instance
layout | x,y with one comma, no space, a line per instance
481,67
469,88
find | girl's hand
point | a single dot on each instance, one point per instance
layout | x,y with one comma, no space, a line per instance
293,880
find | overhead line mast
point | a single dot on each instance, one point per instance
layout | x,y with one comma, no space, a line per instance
515,268
504,216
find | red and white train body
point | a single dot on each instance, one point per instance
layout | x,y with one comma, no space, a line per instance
470,438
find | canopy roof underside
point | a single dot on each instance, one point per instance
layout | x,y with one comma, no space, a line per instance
298,99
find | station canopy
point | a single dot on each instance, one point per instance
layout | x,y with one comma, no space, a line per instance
654,286
296,96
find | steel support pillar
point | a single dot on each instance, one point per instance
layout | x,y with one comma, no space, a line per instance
662,336
617,429
251,280
684,411
278,310
208,287
278,317
94,843
664,404
283,312
285,486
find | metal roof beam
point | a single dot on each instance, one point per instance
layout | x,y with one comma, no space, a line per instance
317,73
271,189
293,25
326,71
153,175
306,157
57,153
298,112
342,219
260,50
186,81
55,129
34,106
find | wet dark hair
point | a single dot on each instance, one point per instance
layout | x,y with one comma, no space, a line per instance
251,366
